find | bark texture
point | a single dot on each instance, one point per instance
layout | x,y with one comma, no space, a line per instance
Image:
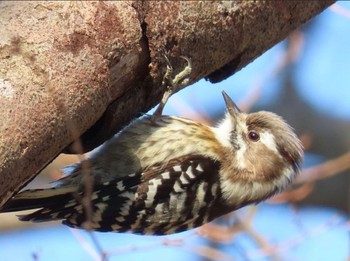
71,69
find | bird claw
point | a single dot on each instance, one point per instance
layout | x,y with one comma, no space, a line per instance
173,84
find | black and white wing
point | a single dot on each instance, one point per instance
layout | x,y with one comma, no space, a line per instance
164,199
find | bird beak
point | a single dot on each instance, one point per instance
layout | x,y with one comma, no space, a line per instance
232,108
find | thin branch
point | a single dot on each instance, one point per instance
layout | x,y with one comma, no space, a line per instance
328,169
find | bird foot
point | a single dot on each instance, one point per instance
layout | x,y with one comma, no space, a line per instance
172,84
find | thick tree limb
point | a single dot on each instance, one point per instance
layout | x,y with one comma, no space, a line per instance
67,66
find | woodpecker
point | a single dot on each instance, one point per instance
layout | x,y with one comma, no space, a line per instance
167,174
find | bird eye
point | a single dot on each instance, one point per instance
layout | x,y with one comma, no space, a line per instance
253,136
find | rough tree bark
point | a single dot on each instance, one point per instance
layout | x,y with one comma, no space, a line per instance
87,68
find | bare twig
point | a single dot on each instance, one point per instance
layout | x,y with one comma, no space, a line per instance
293,195
325,170
211,253
85,244
264,245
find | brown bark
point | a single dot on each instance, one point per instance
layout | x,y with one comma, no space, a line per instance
69,68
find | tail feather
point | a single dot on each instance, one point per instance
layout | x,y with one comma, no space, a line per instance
66,203
55,212
38,198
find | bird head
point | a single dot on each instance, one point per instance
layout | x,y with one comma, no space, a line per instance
265,153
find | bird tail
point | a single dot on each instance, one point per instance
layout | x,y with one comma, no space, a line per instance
67,203
45,199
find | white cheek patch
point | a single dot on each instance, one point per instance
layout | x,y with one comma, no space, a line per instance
223,132
269,141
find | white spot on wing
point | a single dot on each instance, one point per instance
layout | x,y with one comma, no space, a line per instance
120,219
120,186
199,200
177,188
105,198
201,193
183,179
177,168
152,191
199,168
155,182
150,197
125,208
189,172
115,227
214,188
165,175
101,208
